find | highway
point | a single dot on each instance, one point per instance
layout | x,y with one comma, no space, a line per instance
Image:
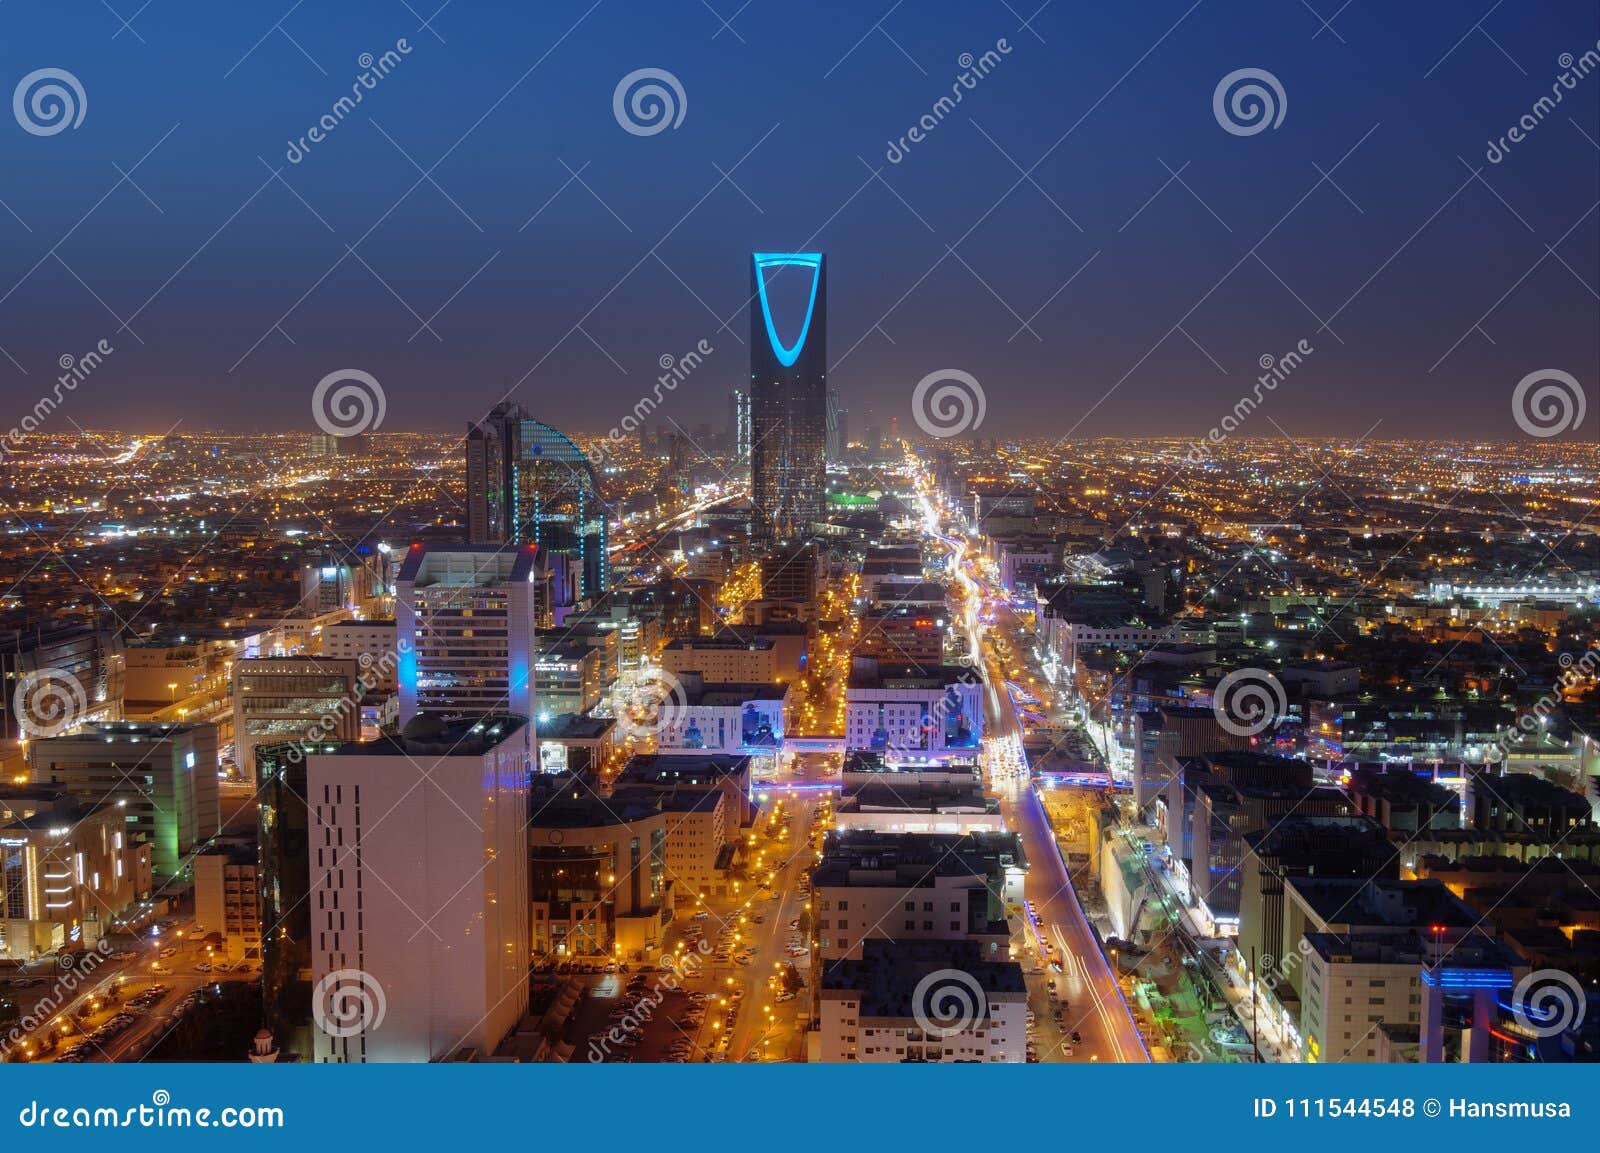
1095,1008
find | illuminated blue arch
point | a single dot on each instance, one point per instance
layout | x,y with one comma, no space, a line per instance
812,260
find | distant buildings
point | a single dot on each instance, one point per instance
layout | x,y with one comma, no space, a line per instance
465,617
419,890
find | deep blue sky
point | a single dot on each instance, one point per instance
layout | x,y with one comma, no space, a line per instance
541,76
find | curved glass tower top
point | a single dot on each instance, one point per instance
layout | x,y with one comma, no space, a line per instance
788,399
787,355
529,483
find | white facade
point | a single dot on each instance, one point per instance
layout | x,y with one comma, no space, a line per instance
419,893
371,644
935,723
722,661
723,723
1066,638
464,618
1347,994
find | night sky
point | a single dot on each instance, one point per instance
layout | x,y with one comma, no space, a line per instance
571,289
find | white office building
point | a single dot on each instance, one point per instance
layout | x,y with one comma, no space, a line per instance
419,891
464,617
915,713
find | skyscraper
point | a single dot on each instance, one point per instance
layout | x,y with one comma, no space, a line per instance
528,483
788,399
418,886
739,424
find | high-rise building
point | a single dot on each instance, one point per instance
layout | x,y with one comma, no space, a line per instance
788,400
464,622
528,483
836,417
419,890
165,775
739,424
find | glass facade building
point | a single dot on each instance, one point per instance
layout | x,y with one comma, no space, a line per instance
788,398
528,483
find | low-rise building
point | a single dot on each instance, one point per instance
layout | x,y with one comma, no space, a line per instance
727,658
914,887
227,902
69,874
912,712
923,1001
598,882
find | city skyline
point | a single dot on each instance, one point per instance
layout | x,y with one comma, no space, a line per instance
711,533
1076,265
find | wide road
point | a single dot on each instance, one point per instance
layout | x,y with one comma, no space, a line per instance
1095,1008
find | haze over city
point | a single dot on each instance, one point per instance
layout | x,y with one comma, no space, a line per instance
611,535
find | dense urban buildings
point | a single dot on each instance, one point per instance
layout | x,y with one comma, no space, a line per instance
1262,792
